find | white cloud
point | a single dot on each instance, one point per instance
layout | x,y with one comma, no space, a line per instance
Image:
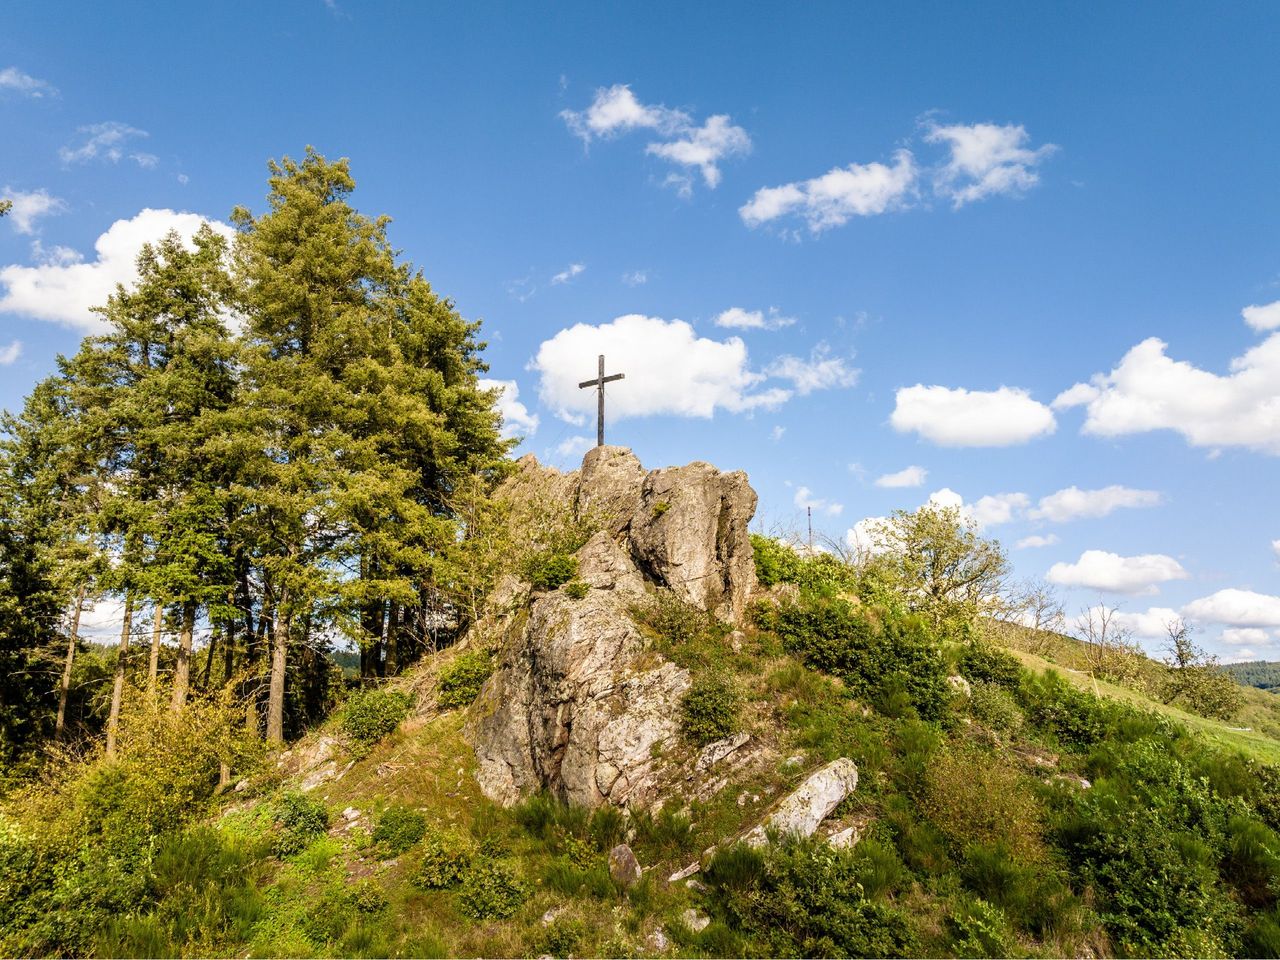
62,289
776,433
866,535
10,353
986,160
971,418
13,79
1073,503
736,318
988,511
636,278
568,273
1263,318
615,110
858,190
703,147
1149,391
572,447
517,421
907,477
1101,570
1275,548
1237,636
30,207
805,500
1236,608
1151,625
820,372
106,141
1036,540
669,370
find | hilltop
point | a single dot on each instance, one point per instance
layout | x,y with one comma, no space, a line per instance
662,737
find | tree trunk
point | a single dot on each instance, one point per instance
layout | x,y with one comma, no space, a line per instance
64,688
279,654
208,660
182,670
153,668
117,688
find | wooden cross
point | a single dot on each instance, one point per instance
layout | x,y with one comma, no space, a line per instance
599,383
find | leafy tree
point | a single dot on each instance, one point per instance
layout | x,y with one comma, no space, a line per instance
1194,677
934,561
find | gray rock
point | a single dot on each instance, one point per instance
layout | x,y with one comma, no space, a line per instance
351,813
609,487
688,871
960,685
690,534
695,920
843,839
623,866
657,941
805,808
716,751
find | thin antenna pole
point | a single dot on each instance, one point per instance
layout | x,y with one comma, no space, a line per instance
809,510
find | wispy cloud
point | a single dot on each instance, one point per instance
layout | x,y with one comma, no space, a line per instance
568,273
14,80
29,207
106,141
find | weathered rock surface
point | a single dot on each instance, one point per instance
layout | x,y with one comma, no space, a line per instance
805,808
717,750
580,705
624,868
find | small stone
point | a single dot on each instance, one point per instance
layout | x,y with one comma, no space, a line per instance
843,838
695,920
736,639
657,941
549,917
716,751
960,685
623,866
688,871
351,813
696,886
793,761
241,787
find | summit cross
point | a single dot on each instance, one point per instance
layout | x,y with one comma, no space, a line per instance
599,383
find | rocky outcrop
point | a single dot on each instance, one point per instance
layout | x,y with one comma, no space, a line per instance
811,803
580,705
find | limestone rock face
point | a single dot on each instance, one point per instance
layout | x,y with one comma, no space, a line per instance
810,803
689,533
580,705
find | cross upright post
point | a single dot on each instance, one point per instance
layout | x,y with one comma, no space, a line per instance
599,383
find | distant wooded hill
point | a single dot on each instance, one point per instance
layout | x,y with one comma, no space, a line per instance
1263,674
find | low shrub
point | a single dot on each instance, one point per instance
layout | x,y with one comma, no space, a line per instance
301,819
462,678
559,938
491,890
577,589
372,713
710,708
818,573
398,829
979,929
994,706
445,860
547,571
982,663
803,898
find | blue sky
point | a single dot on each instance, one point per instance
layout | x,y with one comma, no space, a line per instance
846,240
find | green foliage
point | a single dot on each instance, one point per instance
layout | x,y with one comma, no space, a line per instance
982,663
577,589
1262,674
560,938
994,706
710,708
803,899
372,713
445,860
547,571
462,678
301,819
977,929
878,656
820,573
491,890
398,829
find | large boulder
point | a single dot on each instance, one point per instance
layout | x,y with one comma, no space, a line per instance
810,803
580,704
577,705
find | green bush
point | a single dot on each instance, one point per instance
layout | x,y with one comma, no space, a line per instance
398,829
462,678
994,706
577,589
821,573
372,713
301,819
982,663
879,655
709,709
445,859
491,890
560,938
978,929
802,898
547,571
